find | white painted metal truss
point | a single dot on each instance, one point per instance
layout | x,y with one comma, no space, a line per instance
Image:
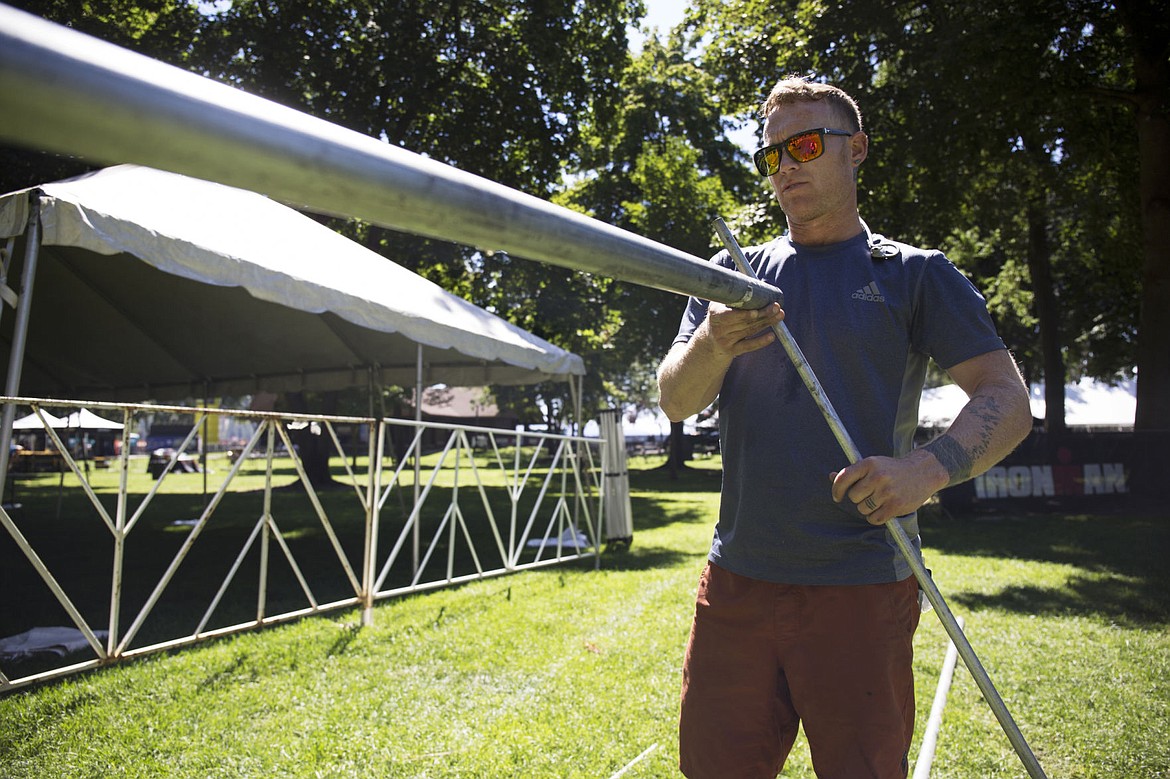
408,526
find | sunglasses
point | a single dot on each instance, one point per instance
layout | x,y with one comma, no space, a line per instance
802,147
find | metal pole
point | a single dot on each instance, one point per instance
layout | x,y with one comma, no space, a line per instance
374,447
28,275
7,294
65,91
120,533
262,594
934,723
895,529
418,431
514,498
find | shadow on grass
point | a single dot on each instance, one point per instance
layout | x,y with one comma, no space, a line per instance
1124,579
652,496
652,514
638,557
1115,600
224,580
658,502
690,479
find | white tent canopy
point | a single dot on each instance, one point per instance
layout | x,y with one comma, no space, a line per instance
33,422
156,285
1091,403
646,423
1087,403
82,419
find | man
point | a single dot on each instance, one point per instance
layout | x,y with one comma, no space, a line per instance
806,610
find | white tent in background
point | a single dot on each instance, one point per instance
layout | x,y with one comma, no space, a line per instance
940,405
643,424
1091,403
141,284
646,423
1088,403
149,284
84,419
32,422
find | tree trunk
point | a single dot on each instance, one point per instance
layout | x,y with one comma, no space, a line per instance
676,458
1153,135
1044,302
314,449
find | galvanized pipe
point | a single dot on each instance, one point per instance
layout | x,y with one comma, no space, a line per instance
934,723
895,530
28,275
67,92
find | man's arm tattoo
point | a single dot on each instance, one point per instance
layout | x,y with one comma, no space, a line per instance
958,461
953,457
987,411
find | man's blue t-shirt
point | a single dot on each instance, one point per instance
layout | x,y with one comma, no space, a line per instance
867,328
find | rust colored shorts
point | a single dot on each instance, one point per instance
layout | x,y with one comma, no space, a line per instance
763,658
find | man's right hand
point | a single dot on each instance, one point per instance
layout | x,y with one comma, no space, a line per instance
735,331
690,377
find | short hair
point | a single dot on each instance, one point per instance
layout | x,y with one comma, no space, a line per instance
796,89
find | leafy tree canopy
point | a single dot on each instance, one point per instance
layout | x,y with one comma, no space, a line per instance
1004,134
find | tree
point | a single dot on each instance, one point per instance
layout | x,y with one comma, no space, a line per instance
1024,138
483,86
665,171
1146,40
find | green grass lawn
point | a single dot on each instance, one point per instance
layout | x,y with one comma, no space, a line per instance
571,672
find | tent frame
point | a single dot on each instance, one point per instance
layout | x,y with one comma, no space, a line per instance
157,115
551,508
22,302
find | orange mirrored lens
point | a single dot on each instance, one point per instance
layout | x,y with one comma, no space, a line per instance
805,147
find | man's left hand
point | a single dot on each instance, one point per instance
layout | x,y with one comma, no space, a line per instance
886,487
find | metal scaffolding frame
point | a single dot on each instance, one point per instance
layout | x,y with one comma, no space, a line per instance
554,514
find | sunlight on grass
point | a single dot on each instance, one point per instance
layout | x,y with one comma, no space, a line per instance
571,672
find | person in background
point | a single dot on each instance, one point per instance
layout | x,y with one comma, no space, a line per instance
806,610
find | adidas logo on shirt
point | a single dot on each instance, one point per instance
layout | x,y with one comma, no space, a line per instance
870,292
